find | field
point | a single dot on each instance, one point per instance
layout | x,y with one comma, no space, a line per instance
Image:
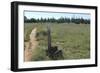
72,39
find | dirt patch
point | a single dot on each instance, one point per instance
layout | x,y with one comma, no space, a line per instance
30,46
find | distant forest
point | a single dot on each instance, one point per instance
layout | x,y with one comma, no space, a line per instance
60,20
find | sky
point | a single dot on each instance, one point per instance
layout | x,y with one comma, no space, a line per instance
56,15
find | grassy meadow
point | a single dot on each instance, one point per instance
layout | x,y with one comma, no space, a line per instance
72,39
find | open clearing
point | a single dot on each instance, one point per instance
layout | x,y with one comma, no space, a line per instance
73,39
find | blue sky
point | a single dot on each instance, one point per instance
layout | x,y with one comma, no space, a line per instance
38,15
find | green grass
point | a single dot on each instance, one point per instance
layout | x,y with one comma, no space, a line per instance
73,39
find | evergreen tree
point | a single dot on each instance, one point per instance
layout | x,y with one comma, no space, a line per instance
60,20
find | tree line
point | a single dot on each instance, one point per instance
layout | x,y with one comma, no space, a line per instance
60,20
